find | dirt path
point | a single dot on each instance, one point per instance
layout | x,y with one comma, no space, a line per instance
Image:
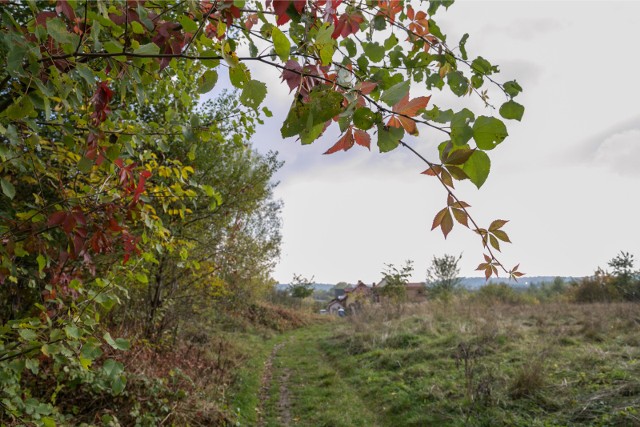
265,383
284,404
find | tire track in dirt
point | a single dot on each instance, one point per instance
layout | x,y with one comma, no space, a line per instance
265,384
284,404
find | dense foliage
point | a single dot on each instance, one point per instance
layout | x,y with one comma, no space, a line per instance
119,184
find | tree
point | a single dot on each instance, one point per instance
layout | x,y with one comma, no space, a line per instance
301,287
625,279
395,280
341,285
98,127
442,276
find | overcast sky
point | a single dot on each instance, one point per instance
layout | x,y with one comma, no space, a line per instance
567,177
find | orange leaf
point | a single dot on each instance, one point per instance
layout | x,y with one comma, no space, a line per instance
344,143
447,223
494,242
446,178
362,138
394,122
497,224
437,220
409,125
432,171
501,235
460,204
461,217
411,108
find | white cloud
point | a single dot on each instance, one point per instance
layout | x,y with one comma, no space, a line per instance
620,152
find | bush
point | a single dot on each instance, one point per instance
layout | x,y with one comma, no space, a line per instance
597,288
502,293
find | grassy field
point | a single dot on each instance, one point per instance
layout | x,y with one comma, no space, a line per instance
457,364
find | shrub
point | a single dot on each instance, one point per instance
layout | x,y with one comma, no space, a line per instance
502,293
598,288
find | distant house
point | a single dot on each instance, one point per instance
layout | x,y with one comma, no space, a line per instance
414,291
336,304
352,298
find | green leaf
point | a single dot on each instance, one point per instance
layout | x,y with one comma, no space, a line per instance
477,167
28,334
458,83
59,32
118,344
147,49
461,132
137,27
390,42
364,118
325,44
437,115
512,88
253,93
111,368
374,51
207,81
188,24
15,59
281,44
7,188
489,132
462,44
84,165
239,75
141,277
323,105
72,332
21,109
350,45
395,93
512,110
389,138
42,262
482,66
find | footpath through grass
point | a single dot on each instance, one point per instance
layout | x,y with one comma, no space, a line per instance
457,365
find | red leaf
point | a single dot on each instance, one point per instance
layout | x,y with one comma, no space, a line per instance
56,218
299,5
344,143
366,87
62,6
101,99
291,74
348,24
362,138
280,8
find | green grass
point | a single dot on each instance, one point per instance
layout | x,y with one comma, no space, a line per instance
462,364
